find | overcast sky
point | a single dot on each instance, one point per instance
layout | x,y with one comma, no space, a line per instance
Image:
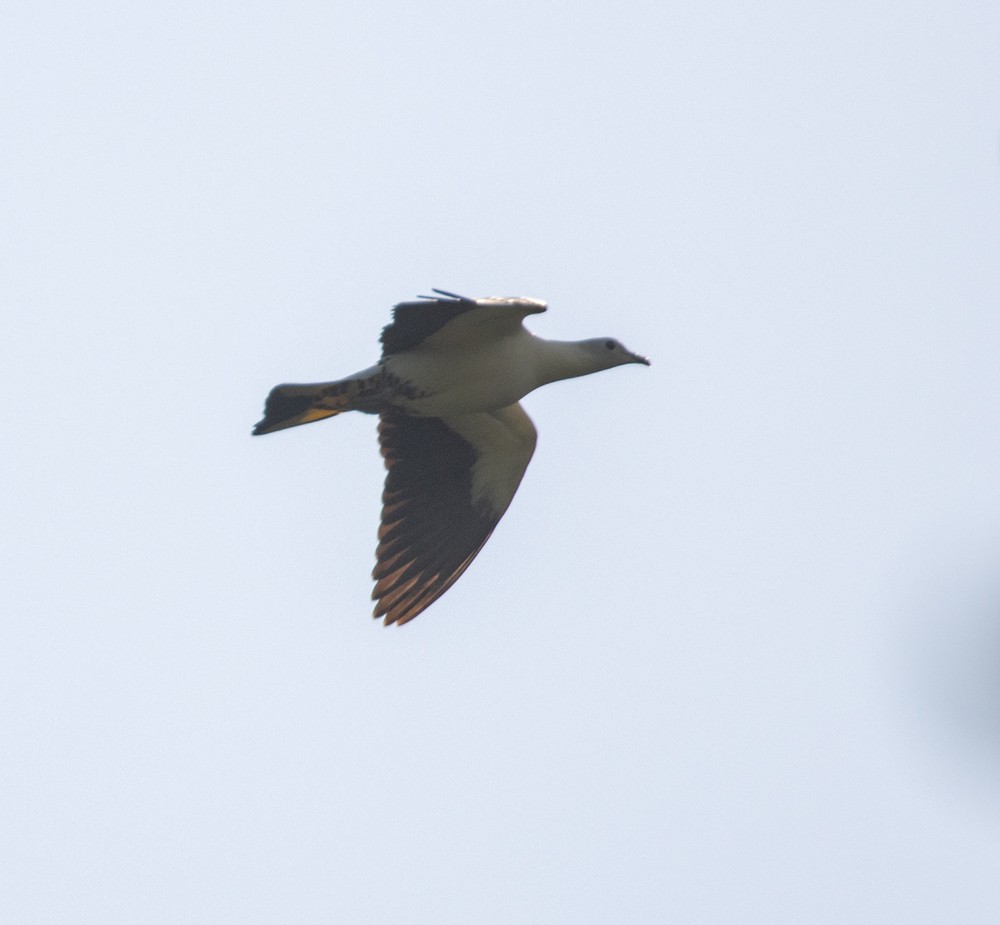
733,655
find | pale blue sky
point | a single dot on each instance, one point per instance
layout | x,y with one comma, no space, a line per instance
733,655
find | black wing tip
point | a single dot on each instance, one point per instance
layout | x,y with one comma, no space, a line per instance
413,322
448,295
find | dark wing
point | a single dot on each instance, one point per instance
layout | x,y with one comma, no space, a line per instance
412,322
448,483
468,321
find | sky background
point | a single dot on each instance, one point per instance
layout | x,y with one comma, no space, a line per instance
733,655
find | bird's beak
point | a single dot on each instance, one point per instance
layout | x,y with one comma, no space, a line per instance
638,359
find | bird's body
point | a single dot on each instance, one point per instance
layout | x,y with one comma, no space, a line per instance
455,440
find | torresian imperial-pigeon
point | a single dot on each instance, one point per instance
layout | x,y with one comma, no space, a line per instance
455,439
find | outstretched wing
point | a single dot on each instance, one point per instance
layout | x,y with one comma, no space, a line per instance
448,483
440,321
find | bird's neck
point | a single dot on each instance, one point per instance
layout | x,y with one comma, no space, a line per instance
560,359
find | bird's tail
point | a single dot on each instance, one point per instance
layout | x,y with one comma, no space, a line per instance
291,405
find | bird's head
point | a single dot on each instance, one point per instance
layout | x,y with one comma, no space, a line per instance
608,352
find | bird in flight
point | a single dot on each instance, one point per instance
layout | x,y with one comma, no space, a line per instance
454,438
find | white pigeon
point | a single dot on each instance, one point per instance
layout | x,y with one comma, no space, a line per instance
454,439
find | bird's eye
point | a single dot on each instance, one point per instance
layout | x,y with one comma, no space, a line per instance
610,344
